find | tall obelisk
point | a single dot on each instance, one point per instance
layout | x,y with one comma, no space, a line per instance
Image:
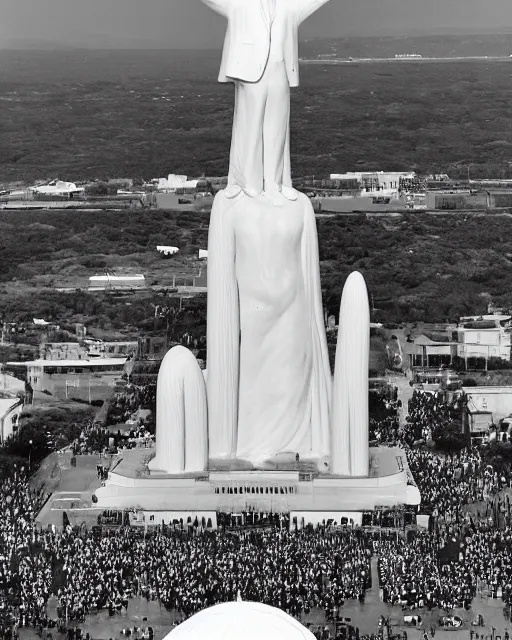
349,420
181,415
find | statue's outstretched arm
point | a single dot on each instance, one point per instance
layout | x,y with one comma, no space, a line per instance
306,8
220,6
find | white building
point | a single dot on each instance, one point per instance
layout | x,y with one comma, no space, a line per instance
167,251
107,281
173,182
44,374
10,411
57,188
9,385
371,181
484,337
486,406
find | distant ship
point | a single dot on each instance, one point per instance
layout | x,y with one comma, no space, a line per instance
408,55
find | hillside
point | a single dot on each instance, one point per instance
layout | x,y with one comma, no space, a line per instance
418,266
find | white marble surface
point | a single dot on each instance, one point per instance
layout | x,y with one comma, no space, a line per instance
350,450
261,57
269,382
241,619
181,415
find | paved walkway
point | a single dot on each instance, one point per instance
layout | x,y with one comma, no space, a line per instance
71,489
372,595
365,616
405,392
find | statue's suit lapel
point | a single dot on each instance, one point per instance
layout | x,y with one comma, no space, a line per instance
265,12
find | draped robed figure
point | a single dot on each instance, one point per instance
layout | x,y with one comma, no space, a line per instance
269,380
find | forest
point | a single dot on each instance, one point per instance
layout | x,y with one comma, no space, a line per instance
79,115
418,267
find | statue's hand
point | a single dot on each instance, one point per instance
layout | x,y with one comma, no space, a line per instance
219,6
306,8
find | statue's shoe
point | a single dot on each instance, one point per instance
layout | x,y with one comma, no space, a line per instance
231,191
251,192
289,193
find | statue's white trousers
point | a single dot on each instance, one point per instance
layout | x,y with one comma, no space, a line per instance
260,130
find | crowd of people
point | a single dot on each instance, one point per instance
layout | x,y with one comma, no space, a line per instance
384,423
447,568
133,397
295,571
95,438
447,483
25,574
427,412
187,570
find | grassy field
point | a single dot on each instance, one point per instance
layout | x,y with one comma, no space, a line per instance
143,114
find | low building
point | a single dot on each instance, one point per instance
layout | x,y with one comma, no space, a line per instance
167,251
484,338
172,201
416,201
175,183
62,351
430,351
368,204
456,199
87,378
10,411
108,281
372,180
86,349
117,349
58,188
486,406
476,338
152,348
499,198
446,201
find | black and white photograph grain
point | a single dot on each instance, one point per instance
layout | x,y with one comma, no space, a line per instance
256,319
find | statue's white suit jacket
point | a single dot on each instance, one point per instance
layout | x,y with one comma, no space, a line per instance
247,42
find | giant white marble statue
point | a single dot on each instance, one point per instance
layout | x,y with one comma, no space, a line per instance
261,57
269,386
269,383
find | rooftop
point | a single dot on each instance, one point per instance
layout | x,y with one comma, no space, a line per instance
6,404
95,362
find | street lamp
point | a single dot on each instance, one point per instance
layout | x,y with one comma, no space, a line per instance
30,443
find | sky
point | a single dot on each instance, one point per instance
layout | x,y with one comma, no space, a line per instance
179,24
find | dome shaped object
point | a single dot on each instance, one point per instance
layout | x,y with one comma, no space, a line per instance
241,621
349,417
181,415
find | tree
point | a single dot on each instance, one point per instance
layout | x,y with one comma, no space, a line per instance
450,438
